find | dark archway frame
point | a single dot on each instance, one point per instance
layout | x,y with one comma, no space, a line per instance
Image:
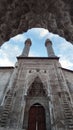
30,101
17,17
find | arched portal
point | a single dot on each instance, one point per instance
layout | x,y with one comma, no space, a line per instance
36,119
37,110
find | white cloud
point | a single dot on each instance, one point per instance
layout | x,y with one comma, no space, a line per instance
51,36
43,32
8,53
66,63
6,62
32,54
65,46
19,38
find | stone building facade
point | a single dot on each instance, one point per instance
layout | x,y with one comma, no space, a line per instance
37,94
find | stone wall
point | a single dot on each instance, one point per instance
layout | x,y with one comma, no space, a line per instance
69,78
5,74
57,102
68,75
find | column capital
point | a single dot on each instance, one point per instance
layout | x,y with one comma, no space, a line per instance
28,42
47,42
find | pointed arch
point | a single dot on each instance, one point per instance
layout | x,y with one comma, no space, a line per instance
30,79
37,88
34,75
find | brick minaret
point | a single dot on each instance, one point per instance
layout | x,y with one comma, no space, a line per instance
50,50
26,48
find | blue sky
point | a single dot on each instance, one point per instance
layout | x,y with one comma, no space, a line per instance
9,50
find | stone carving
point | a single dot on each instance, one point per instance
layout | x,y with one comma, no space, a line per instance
17,17
37,88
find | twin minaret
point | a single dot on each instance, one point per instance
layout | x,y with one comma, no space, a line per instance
48,45
26,48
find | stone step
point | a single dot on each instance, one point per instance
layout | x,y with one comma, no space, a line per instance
5,112
7,105
68,117
67,108
2,125
66,104
68,111
71,126
7,108
3,120
8,101
65,101
9,96
69,122
4,116
68,114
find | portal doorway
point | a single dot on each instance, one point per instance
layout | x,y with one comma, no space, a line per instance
36,118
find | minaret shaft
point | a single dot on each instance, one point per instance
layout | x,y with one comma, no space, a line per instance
26,48
49,47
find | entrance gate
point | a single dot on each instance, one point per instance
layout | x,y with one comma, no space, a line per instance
36,119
